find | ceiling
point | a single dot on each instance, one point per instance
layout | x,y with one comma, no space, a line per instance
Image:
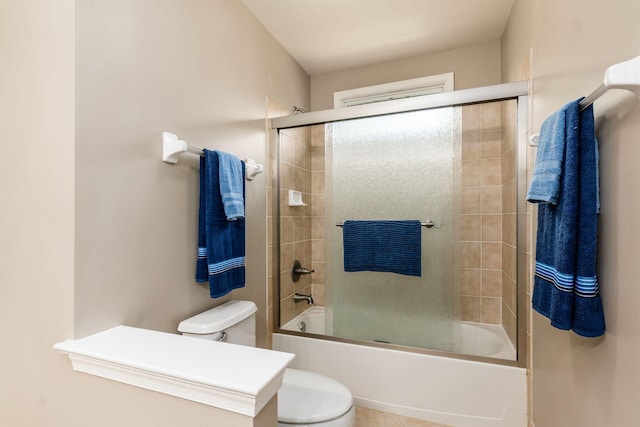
330,35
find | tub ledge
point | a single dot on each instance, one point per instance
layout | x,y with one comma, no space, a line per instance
236,378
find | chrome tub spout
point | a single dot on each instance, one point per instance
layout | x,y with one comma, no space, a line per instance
303,297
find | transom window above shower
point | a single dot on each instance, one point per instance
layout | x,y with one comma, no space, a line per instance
420,86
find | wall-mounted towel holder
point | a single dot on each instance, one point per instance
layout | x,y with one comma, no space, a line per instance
425,224
172,147
624,75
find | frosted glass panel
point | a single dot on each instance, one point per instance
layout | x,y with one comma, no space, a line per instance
402,166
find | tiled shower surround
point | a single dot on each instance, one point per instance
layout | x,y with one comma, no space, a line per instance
509,215
295,221
487,216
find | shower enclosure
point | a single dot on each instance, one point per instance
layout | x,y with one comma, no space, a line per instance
400,167
450,161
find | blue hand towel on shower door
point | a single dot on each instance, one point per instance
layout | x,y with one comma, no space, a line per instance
221,242
565,284
384,246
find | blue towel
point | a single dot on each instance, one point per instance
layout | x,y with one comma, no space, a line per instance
565,285
387,246
231,185
545,184
221,243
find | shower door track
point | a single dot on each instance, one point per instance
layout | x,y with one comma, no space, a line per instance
506,91
444,99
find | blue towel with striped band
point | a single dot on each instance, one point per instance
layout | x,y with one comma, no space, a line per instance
221,242
566,286
383,246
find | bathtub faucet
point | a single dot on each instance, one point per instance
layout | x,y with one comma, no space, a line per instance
303,297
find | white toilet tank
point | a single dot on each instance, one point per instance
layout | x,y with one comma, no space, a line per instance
232,322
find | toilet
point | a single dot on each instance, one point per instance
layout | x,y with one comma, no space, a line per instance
305,399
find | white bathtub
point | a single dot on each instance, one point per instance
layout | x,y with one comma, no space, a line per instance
451,391
476,338
311,321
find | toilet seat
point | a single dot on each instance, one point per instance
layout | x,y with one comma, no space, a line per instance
308,398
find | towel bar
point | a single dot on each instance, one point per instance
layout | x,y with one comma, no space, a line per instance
172,147
426,224
624,75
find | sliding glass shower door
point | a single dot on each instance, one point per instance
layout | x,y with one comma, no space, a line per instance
396,167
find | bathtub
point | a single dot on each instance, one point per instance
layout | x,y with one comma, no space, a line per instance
478,339
457,392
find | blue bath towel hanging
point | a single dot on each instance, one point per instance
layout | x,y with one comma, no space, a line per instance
565,184
221,241
384,246
231,177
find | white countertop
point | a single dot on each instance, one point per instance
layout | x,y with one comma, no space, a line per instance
236,378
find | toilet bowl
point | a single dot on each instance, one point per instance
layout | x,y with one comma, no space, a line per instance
305,399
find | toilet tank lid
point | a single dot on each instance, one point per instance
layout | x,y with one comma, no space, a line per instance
218,318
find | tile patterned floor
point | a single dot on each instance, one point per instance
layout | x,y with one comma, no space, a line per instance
366,417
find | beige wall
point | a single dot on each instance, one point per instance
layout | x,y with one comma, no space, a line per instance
577,381
473,66
89,212
201,69
37,215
